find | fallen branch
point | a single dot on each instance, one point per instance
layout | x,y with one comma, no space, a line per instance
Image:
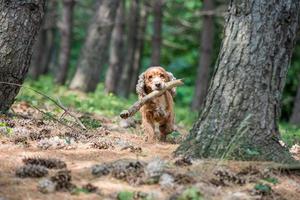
137,105
57,103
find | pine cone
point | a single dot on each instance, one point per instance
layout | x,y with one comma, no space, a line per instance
230,177
50,163
101,145
62,179
101,170
34,171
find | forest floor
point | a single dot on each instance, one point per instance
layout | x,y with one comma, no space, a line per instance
41,158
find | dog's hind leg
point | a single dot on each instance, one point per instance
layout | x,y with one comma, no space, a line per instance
165,129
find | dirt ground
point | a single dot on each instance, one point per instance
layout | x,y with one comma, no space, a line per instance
112,160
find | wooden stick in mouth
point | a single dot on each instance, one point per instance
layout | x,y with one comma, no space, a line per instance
138,104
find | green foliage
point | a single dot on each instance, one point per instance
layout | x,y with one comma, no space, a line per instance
97,102
125,195
90,122
271,180
263,188
191,194
290,134
77,191
5,128
252,152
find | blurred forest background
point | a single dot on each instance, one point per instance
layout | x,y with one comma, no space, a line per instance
100,48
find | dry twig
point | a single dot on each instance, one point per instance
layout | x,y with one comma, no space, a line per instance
58,104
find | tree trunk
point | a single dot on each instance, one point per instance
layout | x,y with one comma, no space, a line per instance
295,117
20,22
66,27
94,52
124,85
116,58
205,58
157,32
240,116
137,59
44,45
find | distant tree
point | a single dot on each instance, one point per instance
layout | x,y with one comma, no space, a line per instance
116,57
65,27
157,31
44,45
205,56
16,44
239,119
295,117
132,38
94,53
138,53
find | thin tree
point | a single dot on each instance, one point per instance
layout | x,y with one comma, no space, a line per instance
16,44
137,59
44,45
65,27
205,56
133,21
157,32
240,116
94,53
116,57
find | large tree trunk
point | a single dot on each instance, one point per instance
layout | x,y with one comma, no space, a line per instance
44,45
94,52
133,21
117,57
66,27
295,117
20,22
205,58
137,59
239,120
157,32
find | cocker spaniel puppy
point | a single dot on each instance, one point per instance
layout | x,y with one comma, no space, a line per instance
160,110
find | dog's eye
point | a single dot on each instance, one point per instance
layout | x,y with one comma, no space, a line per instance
162,76
150,77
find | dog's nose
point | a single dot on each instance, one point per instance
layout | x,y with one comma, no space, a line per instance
157,84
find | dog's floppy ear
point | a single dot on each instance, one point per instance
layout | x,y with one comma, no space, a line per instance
172,78
140,87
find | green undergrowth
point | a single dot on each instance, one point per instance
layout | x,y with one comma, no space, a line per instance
97,102
290,134
110,105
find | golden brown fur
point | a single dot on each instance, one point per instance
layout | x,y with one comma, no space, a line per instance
159,110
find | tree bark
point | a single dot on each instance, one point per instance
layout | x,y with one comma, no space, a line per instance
157,32
137,59
133,21
116,59
205,56
240,116
66,27
295,117
20,21
44,45
94,52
